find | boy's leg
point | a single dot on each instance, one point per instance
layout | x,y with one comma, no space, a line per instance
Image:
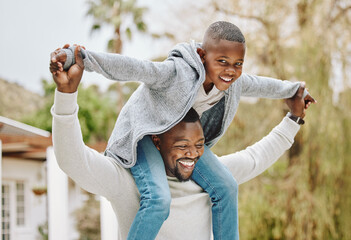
219,183
155,198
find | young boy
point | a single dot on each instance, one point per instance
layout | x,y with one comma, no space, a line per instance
207,77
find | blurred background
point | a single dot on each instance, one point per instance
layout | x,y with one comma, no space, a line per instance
307,193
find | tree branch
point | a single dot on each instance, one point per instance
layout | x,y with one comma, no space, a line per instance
227,11
340,14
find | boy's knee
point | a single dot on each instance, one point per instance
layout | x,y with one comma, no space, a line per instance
159,205
230,189
162,207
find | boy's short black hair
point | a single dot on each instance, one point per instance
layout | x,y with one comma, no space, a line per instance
225,31
191,116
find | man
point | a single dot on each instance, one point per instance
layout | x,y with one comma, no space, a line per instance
180,147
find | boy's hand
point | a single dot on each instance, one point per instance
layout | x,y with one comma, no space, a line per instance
297,103
308,99
68,81
57,60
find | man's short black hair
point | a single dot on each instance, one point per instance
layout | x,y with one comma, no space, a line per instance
191,116
222,30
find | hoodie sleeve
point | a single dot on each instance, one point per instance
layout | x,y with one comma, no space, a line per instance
123,68
265,87
249,163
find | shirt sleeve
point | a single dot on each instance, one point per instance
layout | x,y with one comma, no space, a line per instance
249,163
265,87
91,170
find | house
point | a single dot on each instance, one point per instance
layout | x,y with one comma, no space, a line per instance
35,192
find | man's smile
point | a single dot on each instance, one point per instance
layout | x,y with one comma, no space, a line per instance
187,164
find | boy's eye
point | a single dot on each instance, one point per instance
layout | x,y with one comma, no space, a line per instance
222,61
239,64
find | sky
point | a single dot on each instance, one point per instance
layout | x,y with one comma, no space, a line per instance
31,30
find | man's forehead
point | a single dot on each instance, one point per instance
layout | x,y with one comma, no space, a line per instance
185,131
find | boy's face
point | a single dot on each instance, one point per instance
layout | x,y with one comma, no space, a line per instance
223,61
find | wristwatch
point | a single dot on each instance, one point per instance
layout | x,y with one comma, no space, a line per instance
295,118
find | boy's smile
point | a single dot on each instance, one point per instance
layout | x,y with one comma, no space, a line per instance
223,61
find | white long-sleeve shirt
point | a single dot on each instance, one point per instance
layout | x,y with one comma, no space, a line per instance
190,215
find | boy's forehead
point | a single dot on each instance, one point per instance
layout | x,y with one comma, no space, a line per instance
213,44
225,46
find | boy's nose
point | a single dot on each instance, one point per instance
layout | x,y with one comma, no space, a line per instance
230,70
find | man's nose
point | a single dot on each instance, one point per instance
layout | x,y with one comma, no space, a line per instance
192,152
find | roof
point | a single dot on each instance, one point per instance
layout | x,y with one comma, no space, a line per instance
12,127
23,141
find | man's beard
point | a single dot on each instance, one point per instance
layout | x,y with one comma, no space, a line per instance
179,176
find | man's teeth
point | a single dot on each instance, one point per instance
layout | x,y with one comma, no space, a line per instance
226,79
187,163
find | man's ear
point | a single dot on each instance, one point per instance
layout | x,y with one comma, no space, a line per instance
156,141
202,54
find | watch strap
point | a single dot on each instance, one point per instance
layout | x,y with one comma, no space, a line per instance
296,119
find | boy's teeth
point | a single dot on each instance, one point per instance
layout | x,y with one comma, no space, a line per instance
226,79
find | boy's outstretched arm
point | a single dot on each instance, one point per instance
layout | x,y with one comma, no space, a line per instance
266,87
255,159
118,67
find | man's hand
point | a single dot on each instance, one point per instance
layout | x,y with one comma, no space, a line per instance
297,104
67,81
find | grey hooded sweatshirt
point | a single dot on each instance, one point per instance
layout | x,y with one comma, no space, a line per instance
167,92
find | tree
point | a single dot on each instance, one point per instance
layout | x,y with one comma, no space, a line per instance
95,112
88,219
114,13
309,196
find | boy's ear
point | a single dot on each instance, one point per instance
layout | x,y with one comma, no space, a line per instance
202,54
156,141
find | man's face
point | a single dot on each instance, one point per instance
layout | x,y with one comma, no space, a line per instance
223,61
180,148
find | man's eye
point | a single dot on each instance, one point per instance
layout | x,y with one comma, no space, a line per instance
239,64
181,146
200,145
222,61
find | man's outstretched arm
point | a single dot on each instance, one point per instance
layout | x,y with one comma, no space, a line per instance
89,169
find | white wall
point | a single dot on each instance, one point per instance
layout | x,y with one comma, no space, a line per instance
108,219
57,199
0,181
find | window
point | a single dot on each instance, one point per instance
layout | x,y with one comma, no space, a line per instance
5,201
13,208
20,210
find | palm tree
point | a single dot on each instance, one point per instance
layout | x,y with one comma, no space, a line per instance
114,13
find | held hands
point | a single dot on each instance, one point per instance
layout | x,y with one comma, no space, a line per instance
66,81
297,104
308,98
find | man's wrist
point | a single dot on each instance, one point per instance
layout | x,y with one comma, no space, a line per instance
296,119
65,103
